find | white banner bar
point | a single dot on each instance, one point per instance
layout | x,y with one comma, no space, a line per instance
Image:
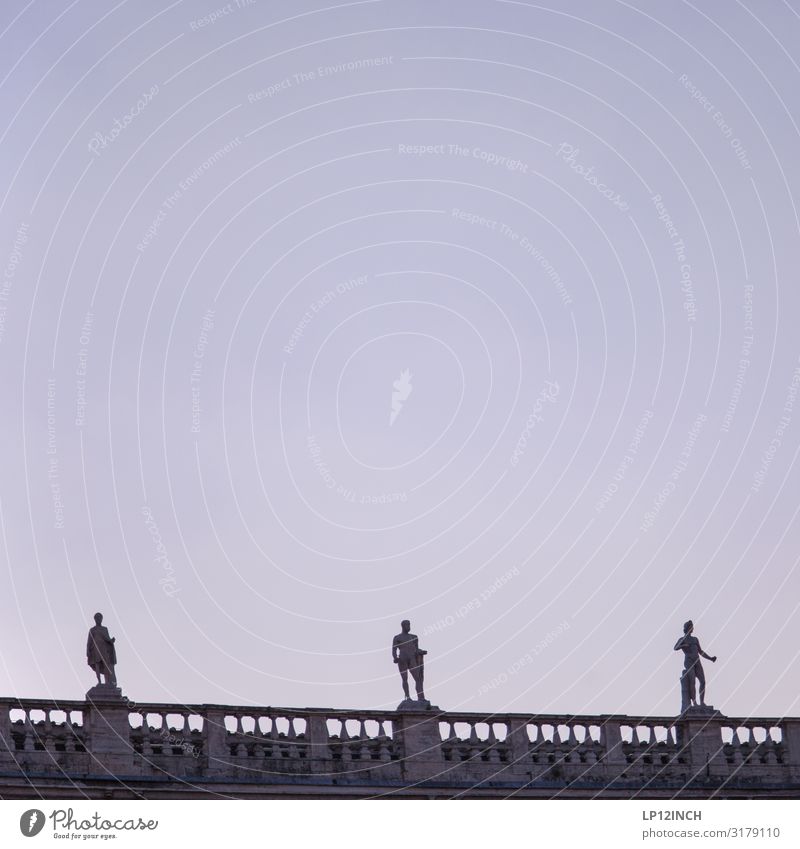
336,824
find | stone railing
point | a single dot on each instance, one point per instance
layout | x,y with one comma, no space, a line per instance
43,727
287,751
756,743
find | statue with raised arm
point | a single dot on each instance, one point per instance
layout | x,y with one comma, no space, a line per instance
409,657
692,668
100,652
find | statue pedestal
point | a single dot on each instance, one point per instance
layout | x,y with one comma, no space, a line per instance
699,730
416,705
108,730
105,693
415,728
700,712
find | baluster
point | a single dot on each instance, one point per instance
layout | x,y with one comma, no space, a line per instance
747,744
588,747
241,748
472,743
569,744
274,737
598,745
736,743
29,744
292,737
48,733
259,746
571,754
345,738
535,745
364,751
450,743
491,742
335,738
40,730
384,750
196,737
69,735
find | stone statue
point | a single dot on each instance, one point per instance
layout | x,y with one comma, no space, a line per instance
409,657
692,669
100,652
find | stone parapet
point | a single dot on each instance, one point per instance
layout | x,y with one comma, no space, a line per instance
159,750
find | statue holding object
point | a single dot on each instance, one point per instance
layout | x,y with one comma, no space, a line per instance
409,657
692,670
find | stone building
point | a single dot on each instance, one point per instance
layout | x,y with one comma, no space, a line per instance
118,749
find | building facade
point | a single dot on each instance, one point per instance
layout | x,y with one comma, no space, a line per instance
119,749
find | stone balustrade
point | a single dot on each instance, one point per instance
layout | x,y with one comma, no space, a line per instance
756,743
45,728
127,748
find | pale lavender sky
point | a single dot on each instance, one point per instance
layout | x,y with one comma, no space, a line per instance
316,317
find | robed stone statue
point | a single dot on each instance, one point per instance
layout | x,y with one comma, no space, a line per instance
100,652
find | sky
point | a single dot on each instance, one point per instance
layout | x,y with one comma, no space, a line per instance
314,318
